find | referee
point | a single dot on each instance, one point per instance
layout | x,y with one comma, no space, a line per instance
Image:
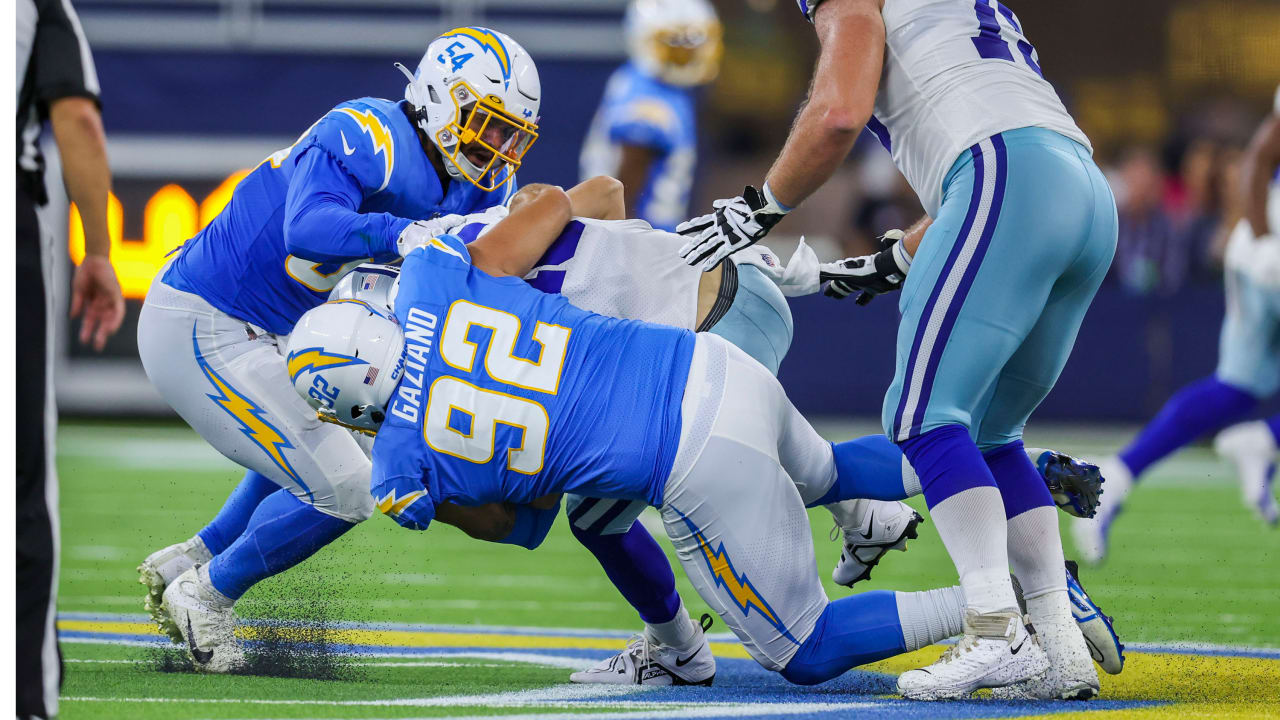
56,82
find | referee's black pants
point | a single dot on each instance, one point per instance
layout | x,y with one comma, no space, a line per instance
39,660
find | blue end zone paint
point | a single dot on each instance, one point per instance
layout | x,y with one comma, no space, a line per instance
739,682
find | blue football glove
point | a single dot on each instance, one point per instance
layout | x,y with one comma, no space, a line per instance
405,500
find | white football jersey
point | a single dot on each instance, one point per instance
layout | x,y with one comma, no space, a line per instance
957,72
622,268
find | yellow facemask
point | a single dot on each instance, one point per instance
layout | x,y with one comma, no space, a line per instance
483,121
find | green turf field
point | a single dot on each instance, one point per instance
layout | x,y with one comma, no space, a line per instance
1191,565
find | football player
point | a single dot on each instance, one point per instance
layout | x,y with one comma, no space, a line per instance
1020,231
1248,362
509,394
624,269
645,131
355,186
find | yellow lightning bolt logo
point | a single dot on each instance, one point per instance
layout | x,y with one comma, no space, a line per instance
389,505
738,586
250,416
315,358
381,137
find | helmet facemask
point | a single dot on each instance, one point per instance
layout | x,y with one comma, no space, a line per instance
502,139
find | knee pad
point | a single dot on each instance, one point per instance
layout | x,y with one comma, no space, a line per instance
348,498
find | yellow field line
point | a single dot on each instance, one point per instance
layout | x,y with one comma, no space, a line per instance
405,638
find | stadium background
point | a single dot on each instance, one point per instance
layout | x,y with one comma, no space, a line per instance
196,90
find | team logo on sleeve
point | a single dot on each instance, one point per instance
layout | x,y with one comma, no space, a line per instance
383,143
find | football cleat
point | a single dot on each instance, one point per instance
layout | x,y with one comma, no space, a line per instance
1097,627
645,662
1070,675
871,528
1091,534
1252,449
161,568
997,649
1074,484
205,621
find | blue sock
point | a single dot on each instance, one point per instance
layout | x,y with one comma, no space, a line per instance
869,467
1021,484
1203,406
948,462
638,568
283,532
233,518
851,631
1273,424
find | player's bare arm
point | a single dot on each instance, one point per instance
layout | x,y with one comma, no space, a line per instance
95,292
514,245
601,198
1261,159
841,99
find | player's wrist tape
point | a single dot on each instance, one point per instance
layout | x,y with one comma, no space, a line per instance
772,204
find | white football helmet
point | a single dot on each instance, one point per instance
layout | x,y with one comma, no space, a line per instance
344,358
676,41
476,90
373,283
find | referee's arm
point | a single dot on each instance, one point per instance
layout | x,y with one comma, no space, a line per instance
66,82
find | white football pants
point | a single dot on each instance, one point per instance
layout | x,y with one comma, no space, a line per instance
229,381
733,505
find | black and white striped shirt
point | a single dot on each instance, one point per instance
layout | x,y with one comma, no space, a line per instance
54,62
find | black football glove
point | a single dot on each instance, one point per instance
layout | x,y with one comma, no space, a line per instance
868,275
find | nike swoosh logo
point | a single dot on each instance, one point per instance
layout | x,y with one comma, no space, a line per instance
345,147
1014,651
201,656
681,662
867,534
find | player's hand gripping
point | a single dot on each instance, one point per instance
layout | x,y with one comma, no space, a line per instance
404,500
869,275
735,223
421,232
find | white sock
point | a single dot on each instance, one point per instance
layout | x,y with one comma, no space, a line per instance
930,616
1050,609
972,526
678,632
1035,552
199,549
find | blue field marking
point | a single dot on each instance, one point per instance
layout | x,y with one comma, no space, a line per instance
742,688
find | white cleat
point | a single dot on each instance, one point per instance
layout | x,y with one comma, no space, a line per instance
1070,676
645,662
997,649
871,528
1252,449
205,621
163,567
1090,534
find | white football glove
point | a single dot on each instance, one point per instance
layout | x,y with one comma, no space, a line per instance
421,232
735,223
870,275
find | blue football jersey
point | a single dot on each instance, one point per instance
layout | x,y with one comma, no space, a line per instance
638,109
509,393
312,212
